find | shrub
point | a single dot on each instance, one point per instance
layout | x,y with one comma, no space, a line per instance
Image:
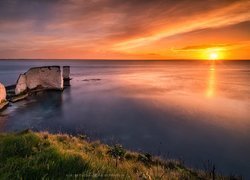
118,152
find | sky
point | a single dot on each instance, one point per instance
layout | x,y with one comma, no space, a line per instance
125,29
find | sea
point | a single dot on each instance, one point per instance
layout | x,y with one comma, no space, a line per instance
194,111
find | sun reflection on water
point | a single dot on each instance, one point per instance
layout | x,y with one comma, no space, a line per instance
211,81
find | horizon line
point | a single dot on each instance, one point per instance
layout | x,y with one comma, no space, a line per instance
99,59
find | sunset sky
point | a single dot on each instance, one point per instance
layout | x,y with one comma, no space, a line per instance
125,29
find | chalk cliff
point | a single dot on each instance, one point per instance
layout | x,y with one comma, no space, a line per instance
47,77
2,93
21,85
2,96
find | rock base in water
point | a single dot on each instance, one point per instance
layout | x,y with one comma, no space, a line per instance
3,105
18,97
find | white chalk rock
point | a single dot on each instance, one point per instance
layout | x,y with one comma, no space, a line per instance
2,93
66,72
21,85
49,77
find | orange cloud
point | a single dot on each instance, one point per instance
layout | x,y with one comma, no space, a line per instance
232,14
121,29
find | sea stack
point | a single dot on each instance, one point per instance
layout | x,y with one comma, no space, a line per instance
3,101
66,75
40,78
66,72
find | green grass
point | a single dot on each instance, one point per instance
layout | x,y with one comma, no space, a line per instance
30,155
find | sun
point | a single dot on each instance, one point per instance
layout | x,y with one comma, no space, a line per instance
213,56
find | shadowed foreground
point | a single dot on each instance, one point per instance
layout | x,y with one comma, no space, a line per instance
30,155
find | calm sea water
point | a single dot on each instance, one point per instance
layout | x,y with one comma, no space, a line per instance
193,110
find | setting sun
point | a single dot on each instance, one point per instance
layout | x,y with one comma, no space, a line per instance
213,56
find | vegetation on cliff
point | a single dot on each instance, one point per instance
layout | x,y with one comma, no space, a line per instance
30,155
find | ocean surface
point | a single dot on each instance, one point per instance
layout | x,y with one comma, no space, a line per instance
190,110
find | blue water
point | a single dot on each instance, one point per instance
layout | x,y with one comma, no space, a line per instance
190,110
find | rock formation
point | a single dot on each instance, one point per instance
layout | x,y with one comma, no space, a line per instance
2,93
66,72
47,77
21,85
3,100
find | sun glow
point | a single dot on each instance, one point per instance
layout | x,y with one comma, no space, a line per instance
213,56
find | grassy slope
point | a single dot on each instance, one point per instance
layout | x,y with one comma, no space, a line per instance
30,155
